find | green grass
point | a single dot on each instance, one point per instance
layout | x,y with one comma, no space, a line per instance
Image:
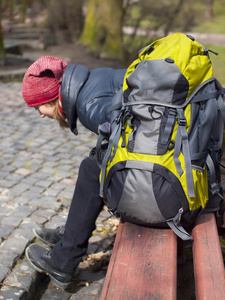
216,25
218,62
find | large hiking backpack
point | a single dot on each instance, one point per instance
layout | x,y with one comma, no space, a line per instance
164,147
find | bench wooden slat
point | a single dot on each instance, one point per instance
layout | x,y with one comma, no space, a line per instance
143,264
208,260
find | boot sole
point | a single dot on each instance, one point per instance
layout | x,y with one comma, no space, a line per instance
59,284
53,279
42,240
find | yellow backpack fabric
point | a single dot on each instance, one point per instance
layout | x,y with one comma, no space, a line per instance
155,171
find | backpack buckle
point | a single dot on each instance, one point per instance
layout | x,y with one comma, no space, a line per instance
214,188
181,117
182,122
172,112
171,145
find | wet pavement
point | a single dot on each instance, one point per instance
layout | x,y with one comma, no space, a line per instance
39,165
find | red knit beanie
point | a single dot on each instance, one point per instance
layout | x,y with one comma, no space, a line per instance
42,80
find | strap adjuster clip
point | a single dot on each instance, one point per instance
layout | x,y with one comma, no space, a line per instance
182,122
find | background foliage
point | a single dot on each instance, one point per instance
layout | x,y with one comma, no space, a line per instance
146,19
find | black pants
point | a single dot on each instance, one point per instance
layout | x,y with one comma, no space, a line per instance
84,210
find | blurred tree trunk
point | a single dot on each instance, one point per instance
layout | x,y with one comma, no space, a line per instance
11,10
65,19
209,9
172,16
74,17
23,11
102,32
2,51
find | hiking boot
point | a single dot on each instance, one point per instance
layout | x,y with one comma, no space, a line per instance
40,258
49,236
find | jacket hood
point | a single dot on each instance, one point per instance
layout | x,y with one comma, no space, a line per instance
73,80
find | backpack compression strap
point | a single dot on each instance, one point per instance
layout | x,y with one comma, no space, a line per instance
182,140
113,141
221,107
176,226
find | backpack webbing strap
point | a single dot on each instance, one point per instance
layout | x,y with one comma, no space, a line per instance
175,225
221,107
131,135
104,131
182,139
214,186
98,149
169,126
205,97
113,141
177,148
211,168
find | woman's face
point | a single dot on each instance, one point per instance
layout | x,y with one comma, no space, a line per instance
46,110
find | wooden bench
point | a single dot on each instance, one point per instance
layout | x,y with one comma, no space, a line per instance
143,264
208,260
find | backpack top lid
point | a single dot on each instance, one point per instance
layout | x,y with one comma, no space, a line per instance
170,68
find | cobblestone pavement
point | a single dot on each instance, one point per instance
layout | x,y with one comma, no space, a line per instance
38,169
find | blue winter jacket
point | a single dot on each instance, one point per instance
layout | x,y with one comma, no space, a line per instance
87,94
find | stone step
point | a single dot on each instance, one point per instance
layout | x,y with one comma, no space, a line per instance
26,35
19,29
26,28
24,44
23,36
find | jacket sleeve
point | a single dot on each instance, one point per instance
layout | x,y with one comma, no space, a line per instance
96,97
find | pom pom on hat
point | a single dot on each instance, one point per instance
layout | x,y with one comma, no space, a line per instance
42,80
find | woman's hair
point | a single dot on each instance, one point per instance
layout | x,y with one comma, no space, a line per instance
58,116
